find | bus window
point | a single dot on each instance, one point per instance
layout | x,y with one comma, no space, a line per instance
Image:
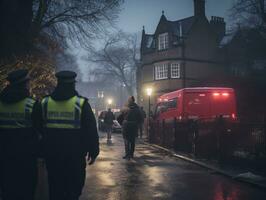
160,108
172,104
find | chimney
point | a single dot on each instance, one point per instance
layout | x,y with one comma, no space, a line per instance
199,8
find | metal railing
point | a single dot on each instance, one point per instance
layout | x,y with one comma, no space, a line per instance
217,138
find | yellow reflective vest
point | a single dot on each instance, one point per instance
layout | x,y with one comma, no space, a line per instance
16,115
62,114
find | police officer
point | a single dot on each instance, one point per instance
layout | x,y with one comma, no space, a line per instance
18,138
69,134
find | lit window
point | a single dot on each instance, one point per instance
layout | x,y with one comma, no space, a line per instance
175,70
163,41
161,72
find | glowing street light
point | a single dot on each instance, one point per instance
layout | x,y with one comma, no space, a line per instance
109,101
149,91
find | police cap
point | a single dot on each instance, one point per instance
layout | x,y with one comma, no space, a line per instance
18,76
66,76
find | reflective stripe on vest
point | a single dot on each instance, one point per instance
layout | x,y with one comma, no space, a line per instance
62,114
16,115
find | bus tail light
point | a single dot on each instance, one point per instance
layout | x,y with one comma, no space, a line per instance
217,94
225,94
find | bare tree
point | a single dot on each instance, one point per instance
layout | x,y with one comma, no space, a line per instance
117,60
250,12
76,20
22,22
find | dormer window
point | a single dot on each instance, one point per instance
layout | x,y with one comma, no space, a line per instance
163,41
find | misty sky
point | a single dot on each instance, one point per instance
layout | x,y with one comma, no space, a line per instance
136,13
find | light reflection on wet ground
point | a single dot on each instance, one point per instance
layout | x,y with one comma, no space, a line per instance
152,174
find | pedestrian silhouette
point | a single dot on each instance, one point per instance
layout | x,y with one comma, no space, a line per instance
69,134
130,118
108,121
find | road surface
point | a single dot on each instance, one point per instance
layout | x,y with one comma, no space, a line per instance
153,174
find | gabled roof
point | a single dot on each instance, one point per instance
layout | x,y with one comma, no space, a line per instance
174,26
148,40
185,24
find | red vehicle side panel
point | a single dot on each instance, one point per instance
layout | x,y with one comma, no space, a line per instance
197,103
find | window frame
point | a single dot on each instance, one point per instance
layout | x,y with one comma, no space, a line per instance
163,41
161,71
176,71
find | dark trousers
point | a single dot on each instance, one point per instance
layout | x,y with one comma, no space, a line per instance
66,177
18,177
109,131
129,146
140,130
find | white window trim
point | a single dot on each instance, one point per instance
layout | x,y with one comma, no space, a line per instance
177,69
163,41
161,71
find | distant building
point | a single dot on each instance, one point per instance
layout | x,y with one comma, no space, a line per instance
98,92
181,53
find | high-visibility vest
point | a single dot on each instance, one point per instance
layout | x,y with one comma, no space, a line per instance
16,115
62,114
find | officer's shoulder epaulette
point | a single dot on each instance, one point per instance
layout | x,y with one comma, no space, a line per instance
31,100
45,97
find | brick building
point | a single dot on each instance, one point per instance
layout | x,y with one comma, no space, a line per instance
182,53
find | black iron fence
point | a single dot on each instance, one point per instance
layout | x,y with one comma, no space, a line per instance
218,138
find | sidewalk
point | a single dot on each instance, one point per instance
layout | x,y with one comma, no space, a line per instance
238,173
154,173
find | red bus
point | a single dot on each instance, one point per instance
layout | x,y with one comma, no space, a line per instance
203,103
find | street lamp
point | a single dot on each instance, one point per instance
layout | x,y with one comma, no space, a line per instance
149,93
109,102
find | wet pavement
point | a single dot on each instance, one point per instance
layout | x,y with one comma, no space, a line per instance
154,174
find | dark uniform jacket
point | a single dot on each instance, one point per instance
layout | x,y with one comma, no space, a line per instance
109,118
24,141
130,118
77,142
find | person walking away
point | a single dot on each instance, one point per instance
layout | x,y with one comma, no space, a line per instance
130,119
109,120
143,116
69,135
18,138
